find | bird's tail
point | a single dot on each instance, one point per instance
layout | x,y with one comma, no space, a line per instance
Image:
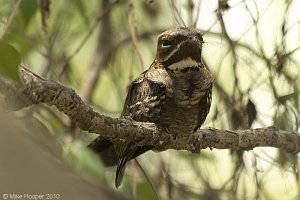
130,152
110,157
106,150
124,158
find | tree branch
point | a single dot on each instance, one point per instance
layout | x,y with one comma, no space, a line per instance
39,90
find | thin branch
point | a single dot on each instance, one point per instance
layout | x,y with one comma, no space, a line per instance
133,31
11,17
142,133
176,13
14,96
89,33
92,76
233,50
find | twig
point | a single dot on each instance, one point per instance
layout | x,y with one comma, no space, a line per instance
133,31
101,57
89,33
176,14
11,17
233,50
147,178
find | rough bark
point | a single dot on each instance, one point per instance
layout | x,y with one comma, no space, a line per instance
38,90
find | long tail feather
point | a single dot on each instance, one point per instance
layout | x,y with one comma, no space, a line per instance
125,157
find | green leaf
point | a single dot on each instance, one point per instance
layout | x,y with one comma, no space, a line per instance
85,161
145,192
82,11
9,61
24,46
284,98
27,9
283,120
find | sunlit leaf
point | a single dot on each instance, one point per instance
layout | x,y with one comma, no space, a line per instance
204,156
9,61
284,159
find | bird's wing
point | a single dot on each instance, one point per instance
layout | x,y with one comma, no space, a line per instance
144,99
143,103
206,87
204,107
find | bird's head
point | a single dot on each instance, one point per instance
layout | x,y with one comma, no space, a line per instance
180,48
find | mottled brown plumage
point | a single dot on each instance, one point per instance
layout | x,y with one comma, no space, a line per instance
174,92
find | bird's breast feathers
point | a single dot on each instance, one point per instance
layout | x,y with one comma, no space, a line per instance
185,87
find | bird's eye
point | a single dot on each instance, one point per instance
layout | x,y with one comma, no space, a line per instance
167,43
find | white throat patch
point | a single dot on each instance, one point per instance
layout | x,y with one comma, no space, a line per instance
183,64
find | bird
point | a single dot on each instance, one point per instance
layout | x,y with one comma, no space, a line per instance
174,92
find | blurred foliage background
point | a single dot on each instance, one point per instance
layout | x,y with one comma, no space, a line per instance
98,47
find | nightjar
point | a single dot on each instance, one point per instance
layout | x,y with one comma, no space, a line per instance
175,92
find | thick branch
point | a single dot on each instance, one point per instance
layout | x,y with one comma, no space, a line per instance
66,100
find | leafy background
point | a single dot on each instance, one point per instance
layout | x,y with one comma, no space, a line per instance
98,47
